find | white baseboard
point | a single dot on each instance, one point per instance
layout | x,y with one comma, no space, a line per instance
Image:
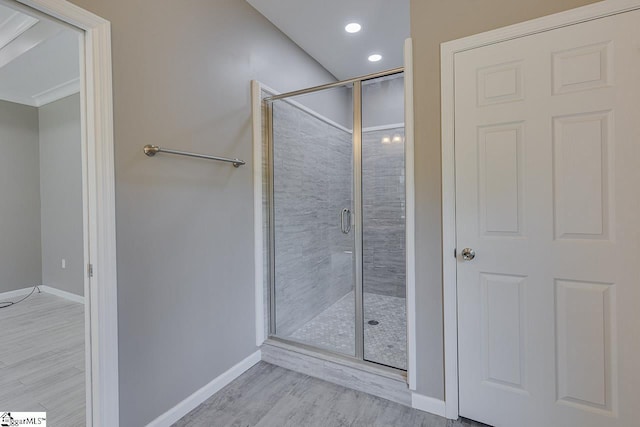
191,402
62,294
428,404
5,296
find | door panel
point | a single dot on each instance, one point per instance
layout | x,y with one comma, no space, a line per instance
584,327
581,175
503,308
547,149
500,179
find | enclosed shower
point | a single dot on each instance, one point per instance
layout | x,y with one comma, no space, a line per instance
335,218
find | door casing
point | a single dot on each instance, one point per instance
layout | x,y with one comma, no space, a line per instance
448,50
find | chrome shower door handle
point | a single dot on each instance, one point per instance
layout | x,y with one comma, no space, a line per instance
345,227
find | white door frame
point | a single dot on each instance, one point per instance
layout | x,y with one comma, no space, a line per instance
447,53
101,322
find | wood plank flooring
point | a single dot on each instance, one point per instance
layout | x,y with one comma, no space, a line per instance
270,396
42,364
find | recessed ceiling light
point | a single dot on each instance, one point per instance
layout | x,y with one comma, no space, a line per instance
353,27
375,57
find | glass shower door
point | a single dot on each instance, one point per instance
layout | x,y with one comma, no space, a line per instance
312,222
337,219
383,221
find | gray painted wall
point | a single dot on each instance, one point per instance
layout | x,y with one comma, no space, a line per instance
20,258
312,184
61,195
185,226
383,214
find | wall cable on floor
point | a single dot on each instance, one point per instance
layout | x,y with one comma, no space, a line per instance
6,304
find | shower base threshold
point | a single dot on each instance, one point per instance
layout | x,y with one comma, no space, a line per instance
385,329
387,383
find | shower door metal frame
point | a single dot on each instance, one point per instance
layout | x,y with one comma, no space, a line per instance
357,214
271,220
356,141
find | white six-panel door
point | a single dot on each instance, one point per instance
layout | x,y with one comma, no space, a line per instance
547,152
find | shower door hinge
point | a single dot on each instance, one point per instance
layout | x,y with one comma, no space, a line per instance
90,270
455,252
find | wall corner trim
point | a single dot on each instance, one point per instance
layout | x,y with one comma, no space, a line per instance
256,119
257,88
191,402
56,93
428,404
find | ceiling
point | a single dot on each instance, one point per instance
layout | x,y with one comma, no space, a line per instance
318,28
39,59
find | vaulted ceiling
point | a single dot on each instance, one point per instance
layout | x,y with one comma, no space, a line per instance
318,27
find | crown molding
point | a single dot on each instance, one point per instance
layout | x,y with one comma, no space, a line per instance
57,92
45,97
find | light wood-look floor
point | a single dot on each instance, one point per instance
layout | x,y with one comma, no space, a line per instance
42,365
269,396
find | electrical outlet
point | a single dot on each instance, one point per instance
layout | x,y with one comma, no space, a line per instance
63,264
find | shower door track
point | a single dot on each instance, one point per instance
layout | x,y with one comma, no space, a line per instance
323,353
358,243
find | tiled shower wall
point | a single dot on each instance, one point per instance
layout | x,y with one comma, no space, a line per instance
383,198
312,184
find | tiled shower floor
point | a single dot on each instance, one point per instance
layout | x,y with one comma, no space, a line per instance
384,343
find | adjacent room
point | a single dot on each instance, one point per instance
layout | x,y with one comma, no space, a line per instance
42,248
